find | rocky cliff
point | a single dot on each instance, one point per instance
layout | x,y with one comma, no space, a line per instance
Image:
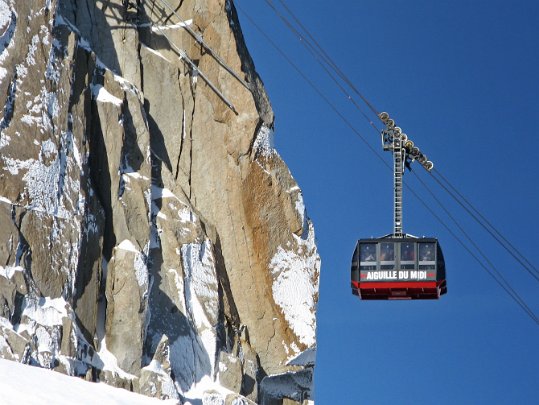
150,235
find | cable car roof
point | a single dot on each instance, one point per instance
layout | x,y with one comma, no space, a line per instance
393,238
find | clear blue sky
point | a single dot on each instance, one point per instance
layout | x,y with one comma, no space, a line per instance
462,79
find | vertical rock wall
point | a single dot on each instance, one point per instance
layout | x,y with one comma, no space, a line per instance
151,237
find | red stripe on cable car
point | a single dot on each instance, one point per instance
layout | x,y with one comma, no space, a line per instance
402,284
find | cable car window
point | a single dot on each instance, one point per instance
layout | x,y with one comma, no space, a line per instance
367,252
426,252
387,255
407,255
427,258
367,256
387,252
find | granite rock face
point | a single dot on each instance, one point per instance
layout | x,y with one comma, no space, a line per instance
151,237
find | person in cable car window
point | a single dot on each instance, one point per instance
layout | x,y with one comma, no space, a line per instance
427,253
407,252
368,253
387,253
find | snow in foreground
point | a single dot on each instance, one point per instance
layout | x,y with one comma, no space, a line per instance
22,384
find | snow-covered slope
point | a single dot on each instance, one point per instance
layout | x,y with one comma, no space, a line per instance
23,384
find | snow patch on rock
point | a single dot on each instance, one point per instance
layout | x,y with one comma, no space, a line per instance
295,285
300,207
264,142
46,311
102,95
128,245
193,353
168,389
9,271
139,262
5,14
13,166
8,23
201,282
306,358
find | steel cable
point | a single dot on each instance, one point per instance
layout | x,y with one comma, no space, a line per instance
323,59
197,37
486,224
493,272
328,58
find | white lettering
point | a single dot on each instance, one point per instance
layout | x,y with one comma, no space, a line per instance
397,275
382,275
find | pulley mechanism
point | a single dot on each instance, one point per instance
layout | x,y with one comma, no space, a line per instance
404,153
410,152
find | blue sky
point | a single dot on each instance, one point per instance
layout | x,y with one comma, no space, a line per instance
462,79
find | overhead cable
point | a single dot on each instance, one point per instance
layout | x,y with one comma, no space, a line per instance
323,59
327,58
486,225
491,269
312,85
196,70
197,37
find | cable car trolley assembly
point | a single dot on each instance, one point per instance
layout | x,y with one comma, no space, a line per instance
399,266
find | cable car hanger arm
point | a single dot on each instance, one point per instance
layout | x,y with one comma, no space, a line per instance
404,152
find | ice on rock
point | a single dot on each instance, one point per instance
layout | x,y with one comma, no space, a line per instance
295,285
264,144
8,22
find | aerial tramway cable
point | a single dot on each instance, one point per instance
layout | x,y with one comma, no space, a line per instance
183,54
197,37
325,55
194,68
492,271
326,63
486,224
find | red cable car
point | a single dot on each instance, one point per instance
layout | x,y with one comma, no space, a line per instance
399,266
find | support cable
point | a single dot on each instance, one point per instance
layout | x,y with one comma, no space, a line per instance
325,55
197,37
313,86
493,271
326,63
194,67
183,56
487,225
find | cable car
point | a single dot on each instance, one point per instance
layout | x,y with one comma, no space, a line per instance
399,266
405,267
